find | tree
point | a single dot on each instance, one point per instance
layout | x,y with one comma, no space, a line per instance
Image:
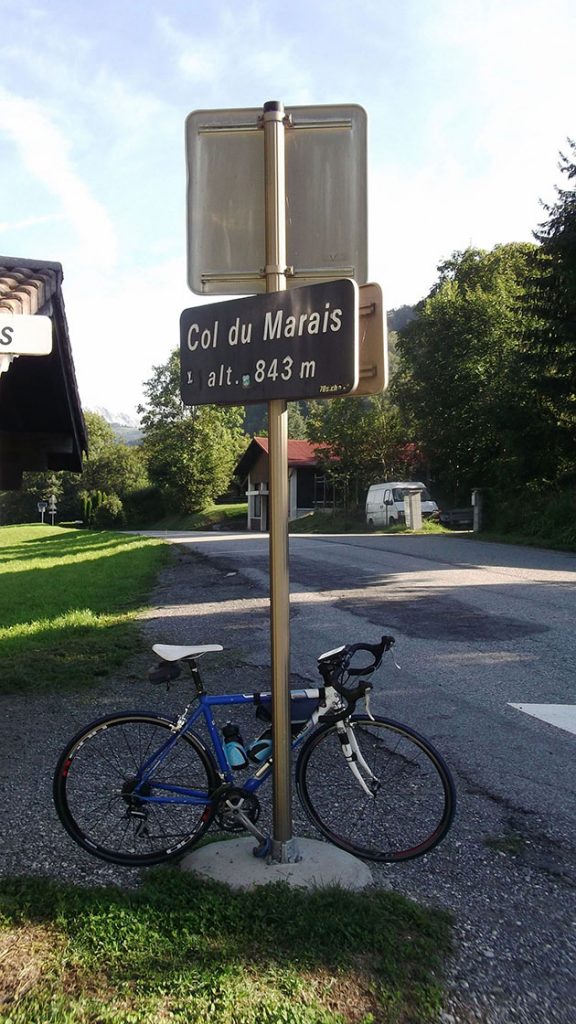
163,403
256,420
190,452
296,421
460,380
110,469
550,344
358,441
22,506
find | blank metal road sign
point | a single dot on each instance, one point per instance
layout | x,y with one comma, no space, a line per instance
326,198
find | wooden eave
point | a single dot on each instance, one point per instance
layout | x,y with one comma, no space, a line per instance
41,421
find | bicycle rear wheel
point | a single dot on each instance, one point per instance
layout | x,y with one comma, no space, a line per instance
412,796
106,808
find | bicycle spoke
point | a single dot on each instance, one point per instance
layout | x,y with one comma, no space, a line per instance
413,800
106,809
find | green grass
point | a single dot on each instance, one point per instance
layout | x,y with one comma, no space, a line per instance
337,522
187,951
549,542
227,517
68,603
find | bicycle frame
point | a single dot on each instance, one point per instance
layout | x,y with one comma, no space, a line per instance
134,797
203,712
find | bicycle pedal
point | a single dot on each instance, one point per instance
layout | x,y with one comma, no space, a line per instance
263,848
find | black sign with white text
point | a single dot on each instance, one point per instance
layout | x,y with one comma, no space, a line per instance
290,345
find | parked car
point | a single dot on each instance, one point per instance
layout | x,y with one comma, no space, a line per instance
385,502
457,518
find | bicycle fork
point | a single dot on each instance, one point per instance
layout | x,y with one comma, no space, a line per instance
353,756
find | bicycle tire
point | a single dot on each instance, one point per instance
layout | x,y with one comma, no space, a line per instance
414,797
93,798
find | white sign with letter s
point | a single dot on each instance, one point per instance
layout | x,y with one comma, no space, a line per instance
25,335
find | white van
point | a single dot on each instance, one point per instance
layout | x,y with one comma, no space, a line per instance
385,502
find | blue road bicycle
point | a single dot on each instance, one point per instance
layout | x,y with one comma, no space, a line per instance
135,788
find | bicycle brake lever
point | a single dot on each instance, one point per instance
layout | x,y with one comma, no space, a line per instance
367,702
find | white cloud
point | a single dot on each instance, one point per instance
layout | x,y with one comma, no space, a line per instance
501,82
131,111
243,52
419,219
29,222
44,151
121,325
198,61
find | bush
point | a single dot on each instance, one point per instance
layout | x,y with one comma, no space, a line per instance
109,513
144,506
542,513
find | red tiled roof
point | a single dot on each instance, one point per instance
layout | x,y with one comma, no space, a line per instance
300,453
27,287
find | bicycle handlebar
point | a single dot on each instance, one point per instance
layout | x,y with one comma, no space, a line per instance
336,669
376,650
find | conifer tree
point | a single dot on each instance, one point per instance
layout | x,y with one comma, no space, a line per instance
550,345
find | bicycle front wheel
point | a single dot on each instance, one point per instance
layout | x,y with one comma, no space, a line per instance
118,814
411,796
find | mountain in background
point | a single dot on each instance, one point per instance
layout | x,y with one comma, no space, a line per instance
126,428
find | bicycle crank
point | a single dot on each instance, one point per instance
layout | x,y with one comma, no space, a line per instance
238,811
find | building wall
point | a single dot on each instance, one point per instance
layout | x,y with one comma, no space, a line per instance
301,482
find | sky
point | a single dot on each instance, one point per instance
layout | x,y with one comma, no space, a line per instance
469,103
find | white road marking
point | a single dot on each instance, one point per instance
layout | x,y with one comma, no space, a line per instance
561,715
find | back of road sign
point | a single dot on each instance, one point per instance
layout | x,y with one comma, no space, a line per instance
326,198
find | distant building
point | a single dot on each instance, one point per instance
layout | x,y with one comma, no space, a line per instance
41,421
307,485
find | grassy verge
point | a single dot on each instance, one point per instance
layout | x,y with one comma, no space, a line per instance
337,522
68,603
225,517
524,540
188,951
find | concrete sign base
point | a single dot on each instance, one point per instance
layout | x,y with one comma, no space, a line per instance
232,861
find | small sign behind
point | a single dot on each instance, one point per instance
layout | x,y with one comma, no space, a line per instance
22,335
373,343
290,345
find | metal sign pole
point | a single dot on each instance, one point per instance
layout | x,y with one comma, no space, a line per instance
284,846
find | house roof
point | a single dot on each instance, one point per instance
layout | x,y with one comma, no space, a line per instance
41,421
26,286
300,454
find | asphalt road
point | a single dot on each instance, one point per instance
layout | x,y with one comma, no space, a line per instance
479,626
